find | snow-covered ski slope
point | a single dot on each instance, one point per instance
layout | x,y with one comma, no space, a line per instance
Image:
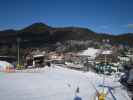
55,84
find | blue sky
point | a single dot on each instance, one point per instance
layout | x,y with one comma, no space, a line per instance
109,16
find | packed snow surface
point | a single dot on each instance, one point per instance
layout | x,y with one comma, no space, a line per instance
55,84
107,52
90,52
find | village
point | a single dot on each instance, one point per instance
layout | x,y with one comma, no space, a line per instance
110,59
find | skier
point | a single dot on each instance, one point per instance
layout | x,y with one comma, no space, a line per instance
77,90
77,97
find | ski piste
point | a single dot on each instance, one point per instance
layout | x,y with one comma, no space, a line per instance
57,83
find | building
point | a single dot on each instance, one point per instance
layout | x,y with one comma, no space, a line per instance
34,58
108,58
55,56
39,60
10,59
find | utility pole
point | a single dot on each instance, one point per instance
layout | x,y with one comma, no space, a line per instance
105,61
18,52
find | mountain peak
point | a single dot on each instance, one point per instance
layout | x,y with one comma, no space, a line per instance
36,28
39,24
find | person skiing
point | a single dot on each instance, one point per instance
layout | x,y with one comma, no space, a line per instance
76,94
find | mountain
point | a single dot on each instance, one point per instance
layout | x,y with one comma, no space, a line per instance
125,38
8,37
39,34
71,33
36,28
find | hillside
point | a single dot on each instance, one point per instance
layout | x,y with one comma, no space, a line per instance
125,38
39,34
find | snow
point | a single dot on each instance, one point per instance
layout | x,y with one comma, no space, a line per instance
55,83
71,65
90,52
107,52
39,55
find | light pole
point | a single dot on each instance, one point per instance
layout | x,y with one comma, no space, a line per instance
18,52
105,60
